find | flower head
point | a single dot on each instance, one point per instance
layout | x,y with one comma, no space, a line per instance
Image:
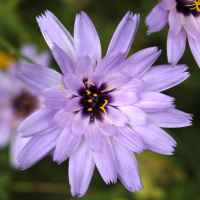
183,17
99,111
17,101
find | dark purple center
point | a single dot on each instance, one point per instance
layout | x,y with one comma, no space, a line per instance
187,7
24,104
94,101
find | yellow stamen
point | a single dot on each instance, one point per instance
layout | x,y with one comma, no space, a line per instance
119,88
107,88
196,5
90,100
89,109
62,87
5,60
90,83
102,107
95,95
91,119
88,92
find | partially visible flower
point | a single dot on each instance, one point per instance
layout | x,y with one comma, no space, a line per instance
184,20
99,111
17,102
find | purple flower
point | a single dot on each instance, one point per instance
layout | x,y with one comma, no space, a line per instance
184,19
17,102
99,111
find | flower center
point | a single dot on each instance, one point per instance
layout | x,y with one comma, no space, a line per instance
24,104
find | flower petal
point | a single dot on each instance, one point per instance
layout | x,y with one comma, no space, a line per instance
171,118
124,34
163,77
168,4
195,48
83,68
157,19
96,78
105,162
55,33
86,39
73,104
66,145
115,117
123,98
38,122
80,123
129,139
63,119
37,148
64,61
155,139
191,27
127,167
176,47
81,168
40,79
56,99
134,85
153,101
175,22
73,83
5,132
137,64
93,137
135,115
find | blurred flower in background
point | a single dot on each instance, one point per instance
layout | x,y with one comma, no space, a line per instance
17,101
184,20
100,111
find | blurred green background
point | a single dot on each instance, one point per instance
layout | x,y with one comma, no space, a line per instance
164,177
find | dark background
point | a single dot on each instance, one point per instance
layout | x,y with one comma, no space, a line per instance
164,177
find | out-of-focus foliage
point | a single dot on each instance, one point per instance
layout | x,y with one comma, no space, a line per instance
164,177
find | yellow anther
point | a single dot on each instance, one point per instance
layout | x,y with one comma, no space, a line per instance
102,107
119,88
195,5
95,95
88,92
107,88
90,83
62,87
90,100
91,119
89,109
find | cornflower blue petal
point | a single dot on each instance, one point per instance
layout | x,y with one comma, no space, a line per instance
73,105
168,4
110,63
80,123
137,64
40,79
175,23
105,162
171,118
124,35
135,116
155,139
156,19
127,167
56,99
163,77
86,39
176,47
83,68
38,147
64,61
115,117
63,119
73,83
153,101
191,26
134,85
66,145
195,48
129,139
81,168
96,78
38,122
55,33
5,132
123,98
93,137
